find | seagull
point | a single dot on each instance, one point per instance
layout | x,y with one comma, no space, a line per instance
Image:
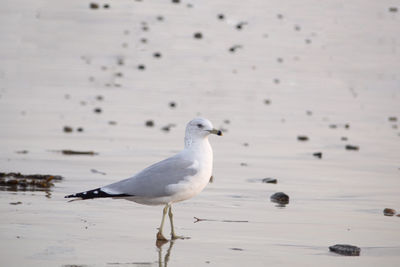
171,180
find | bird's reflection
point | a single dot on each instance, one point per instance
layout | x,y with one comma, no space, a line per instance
159,245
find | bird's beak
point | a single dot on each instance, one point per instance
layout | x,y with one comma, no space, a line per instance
215,131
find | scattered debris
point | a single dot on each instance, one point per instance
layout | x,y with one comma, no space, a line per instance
99,172
280,198
172,104
212,220
68,129
94,5
302,138
389,212
17,181
269,180
168,127
351,147
198,35
233,48
318,155
74,152
149,123
347,250
240,25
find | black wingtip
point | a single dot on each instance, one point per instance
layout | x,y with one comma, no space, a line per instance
95,193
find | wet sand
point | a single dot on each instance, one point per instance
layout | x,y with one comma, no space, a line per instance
328,71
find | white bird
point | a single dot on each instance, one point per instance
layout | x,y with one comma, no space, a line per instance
174,179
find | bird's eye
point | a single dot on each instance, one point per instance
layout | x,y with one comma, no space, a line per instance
200,125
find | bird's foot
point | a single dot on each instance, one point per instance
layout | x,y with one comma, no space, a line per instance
160,237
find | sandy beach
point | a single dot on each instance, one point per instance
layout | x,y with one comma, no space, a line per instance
282,79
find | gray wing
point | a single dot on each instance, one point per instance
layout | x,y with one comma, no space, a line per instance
152,181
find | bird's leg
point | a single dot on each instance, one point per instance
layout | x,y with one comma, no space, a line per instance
173,235
159,234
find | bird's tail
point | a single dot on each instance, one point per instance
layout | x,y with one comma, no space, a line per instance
95,193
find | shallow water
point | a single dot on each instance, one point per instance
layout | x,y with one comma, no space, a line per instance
319,64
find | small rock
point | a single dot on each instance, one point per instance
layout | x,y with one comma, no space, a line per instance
392,118
168,127
393,9
318,155
269,180
221,16
297,27
94,5
389,212
246,144
97,110
106,6
68,129
172,104
267,101
243,164
149,123
234,48
141,67
279,16
112,122
280,198
347,250
157,55
309,113
277,81
351,147
80,129
176,1
333,126
160,18
22,152
344,138
302,138
198,35
240,25
16,203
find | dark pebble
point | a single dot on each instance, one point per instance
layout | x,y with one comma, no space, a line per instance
297,27
141,67
393,9
277,81
351,147
234,48
100,98
149,123
221,16
347,250
80,129
120,61
302,138
389,212
198,35
22,152
172,104
240,25
309,112
94,6
392,118
333,126
157,55
243,164
160,18
16,203
344,138
143,40
279,59
246,144
308,41
68,129
106,6
269,180
176,1
97,110
318,155
279,16
168,127
112,122
347,126
267,101
280,198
